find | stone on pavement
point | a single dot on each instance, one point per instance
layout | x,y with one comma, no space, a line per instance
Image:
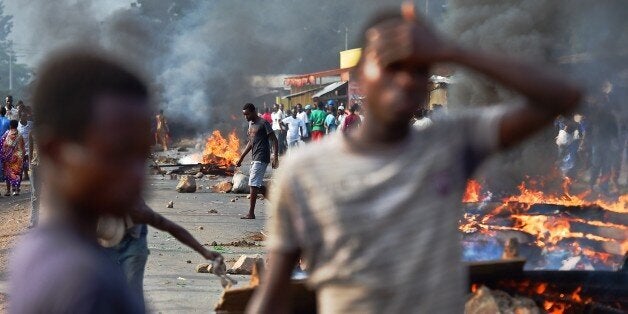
187,184
202,268
240,183
222,187
199,175
245,264
170,204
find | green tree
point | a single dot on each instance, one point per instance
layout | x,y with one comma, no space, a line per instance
14,77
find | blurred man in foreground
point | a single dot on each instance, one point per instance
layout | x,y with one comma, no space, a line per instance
388,184
93,136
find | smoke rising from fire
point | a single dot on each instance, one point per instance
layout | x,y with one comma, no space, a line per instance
584,39
201,54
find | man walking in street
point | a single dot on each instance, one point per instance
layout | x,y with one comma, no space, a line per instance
260,135
387,183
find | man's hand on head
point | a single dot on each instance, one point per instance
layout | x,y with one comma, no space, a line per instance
409,41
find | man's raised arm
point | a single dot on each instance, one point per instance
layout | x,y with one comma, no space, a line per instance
548,95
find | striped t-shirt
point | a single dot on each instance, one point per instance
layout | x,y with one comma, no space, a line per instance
378,226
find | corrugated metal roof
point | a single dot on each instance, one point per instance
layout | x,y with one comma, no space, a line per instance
329,88
301,93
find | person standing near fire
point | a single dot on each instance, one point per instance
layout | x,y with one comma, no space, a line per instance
260,135
387,183
162,132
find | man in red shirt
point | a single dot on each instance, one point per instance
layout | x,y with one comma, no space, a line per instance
352,120
267,116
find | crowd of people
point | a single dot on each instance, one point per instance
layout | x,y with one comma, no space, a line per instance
15,144
301,124
591,146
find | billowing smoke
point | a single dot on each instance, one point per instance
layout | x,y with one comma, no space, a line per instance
584,39
201,54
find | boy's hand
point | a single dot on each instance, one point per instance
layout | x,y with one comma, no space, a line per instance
212,256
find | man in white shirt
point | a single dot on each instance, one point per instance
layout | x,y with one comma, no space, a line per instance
24,129
296,129
12,112
386,183
277,116
303,116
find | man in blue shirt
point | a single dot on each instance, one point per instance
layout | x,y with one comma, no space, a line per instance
4,121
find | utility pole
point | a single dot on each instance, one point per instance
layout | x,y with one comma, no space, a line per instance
11,67
346,38
427,7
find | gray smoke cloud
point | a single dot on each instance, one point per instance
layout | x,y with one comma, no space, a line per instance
202,54
584,39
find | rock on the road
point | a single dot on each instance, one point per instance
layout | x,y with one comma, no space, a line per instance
222,187
187,184
245,264
240,183
202,268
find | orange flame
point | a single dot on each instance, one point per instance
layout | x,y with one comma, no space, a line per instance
220,151
528,196
549,230
472,192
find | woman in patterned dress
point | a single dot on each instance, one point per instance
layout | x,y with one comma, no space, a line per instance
12,153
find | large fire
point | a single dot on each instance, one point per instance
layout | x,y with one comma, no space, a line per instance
220,151
592,229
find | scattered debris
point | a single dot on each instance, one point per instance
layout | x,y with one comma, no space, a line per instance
212,211
182,149
256,236
170,204
199,175
511,249
485,300
240,243
245,264
203,268
187,184
200,228
214,243
256,275
259,196
189,261
234,199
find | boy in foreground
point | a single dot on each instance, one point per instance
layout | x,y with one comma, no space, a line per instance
93,136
